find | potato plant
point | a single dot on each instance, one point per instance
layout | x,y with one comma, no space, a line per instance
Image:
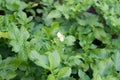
59,40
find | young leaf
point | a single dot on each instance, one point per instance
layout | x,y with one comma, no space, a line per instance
103,67
100,34
54,59
40,60
25,34
64,72
22,15
51,77
97,77
117,61
14,5
83,75
54,14
69,40
4,34
18,40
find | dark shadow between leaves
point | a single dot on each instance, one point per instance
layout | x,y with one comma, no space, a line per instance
99,43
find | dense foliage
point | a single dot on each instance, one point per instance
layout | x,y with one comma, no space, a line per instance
59,40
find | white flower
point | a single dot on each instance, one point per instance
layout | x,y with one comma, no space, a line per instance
60,36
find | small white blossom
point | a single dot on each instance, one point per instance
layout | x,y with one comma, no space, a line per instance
60,36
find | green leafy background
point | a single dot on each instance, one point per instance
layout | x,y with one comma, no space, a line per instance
31,50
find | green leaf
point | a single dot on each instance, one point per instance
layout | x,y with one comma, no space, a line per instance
69,40
117,61
25,34
84,30
99,53
40,60
8,67
54,59
103,67
54,28
110,77
100,34
51,77
52,31
54,14
46,2
22,15
0,59
18,40
15,5
15,33
83,75
10,74
4,35
115,43
97,77
64,72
